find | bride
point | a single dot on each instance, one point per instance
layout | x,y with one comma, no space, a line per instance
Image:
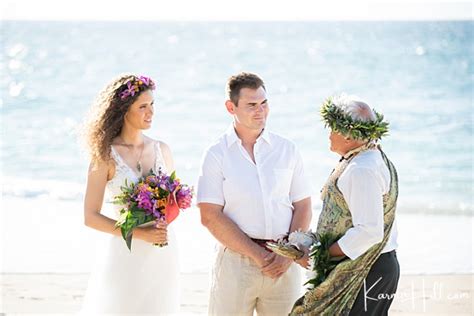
144,280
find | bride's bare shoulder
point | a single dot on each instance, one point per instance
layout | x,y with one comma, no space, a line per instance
165,153
164,147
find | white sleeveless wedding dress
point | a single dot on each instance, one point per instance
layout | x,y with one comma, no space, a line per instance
138,282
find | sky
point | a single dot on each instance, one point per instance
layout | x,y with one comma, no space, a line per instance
237,10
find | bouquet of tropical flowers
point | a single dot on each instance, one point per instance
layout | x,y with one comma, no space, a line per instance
153,197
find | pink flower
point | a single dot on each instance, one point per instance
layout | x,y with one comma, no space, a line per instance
184,197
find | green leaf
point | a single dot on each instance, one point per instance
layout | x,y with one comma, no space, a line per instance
323,263
340,122
128,241
124,232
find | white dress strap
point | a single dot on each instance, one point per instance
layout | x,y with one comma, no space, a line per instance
114,154
159,160
119,162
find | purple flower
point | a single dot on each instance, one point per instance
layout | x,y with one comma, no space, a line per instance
130,91
164,181
125,94
144,199
133,86
172,185
145,80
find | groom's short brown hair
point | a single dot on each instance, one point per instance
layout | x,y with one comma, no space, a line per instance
240,81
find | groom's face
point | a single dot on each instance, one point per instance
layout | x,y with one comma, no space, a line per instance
252,109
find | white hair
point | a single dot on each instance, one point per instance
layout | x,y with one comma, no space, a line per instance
356,108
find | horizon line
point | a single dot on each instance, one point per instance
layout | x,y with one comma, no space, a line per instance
241,20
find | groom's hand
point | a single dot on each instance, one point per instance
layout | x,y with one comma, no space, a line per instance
264,258
277,267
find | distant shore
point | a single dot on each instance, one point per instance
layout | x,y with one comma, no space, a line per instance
40,293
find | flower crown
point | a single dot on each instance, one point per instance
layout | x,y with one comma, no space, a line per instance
342,123
136,85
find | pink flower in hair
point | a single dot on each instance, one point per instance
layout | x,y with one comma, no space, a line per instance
145,80
133,86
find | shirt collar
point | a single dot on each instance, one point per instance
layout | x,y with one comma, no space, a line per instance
265,135
231,136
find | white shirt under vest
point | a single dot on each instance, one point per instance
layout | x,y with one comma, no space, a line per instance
256,196
363,183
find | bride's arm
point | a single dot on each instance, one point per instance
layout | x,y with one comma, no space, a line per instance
94,197
96,181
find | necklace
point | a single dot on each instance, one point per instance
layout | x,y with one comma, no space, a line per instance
139,163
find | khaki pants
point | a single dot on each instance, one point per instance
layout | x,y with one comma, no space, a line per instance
238,287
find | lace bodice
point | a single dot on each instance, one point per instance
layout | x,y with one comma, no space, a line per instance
123,171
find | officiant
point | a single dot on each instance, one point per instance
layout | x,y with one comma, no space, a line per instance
357,224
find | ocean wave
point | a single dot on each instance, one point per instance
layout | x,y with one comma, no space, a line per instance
422,205
74,191
42,188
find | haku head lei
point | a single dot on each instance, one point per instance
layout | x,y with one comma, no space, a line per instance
336,118
135,85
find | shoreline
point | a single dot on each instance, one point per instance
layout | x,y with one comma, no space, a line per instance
76,250
62,293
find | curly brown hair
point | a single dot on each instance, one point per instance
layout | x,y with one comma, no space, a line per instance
242,80
106,117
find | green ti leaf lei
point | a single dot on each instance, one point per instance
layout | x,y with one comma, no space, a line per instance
342,123
322,261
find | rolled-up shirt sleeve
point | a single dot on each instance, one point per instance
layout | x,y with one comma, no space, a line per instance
363,192
300,188
210,188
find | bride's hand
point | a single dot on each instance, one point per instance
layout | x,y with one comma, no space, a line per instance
155,234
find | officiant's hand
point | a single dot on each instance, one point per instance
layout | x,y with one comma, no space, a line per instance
277,267
304,261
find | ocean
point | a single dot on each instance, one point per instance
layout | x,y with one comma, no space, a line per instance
418,74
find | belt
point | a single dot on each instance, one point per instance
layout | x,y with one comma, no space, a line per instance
262,242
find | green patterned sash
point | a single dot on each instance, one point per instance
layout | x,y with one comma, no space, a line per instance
337,293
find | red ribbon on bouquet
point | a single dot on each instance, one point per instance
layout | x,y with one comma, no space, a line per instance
172,209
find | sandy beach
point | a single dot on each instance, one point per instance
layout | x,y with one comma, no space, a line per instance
55,281
40,293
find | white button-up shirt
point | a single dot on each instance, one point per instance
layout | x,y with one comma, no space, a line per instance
256,196
363,183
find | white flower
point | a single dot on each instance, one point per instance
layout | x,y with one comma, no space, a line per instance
301,239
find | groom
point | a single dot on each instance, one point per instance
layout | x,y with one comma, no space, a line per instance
252,189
